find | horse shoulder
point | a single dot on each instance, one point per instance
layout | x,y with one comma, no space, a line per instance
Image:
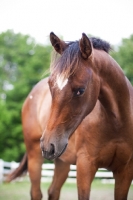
35,109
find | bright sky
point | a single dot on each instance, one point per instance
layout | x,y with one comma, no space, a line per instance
110,20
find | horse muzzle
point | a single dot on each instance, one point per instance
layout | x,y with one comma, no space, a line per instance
52,152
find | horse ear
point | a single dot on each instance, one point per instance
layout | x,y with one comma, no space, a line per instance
85,46
58,44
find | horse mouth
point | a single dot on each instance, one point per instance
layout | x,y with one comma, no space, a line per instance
62,151
52,154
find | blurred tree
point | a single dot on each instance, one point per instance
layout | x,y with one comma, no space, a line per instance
22,64
123,54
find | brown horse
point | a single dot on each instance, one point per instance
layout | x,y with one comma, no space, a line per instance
88,86
35,113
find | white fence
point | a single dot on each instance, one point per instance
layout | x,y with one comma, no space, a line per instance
48,171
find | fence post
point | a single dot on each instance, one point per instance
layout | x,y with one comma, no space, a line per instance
1,170
13,165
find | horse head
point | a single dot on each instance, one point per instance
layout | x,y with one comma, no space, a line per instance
74,84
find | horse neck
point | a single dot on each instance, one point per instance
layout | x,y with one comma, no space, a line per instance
114,92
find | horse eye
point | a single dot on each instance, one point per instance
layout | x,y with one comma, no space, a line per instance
79,91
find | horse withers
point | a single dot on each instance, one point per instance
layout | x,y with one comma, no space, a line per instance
90,92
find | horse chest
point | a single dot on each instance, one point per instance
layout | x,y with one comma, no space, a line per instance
115,155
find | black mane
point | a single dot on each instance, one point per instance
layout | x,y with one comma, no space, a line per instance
97,44
100,44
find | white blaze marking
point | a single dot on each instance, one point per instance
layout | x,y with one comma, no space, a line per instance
61,82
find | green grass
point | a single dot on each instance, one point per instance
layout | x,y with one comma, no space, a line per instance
21,191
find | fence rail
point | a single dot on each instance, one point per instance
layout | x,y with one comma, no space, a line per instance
48,172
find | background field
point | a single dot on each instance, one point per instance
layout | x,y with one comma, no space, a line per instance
20,191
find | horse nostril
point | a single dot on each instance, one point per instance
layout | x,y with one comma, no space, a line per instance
52,150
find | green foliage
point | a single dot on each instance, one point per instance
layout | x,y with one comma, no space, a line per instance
22,64
124,56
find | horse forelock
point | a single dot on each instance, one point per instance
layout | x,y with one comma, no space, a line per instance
62,66
65,65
